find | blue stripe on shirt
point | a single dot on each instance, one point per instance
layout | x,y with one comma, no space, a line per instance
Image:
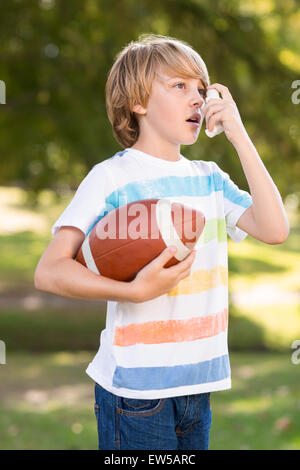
172,186
158,378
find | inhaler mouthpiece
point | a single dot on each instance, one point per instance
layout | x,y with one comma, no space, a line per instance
212,93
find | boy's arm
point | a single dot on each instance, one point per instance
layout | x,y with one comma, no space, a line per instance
266,219
58,273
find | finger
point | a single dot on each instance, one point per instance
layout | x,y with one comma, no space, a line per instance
182,265
185,274
221,89
210,105
213,110
187,262
211,123
166,254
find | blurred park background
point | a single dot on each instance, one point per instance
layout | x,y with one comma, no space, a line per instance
55,56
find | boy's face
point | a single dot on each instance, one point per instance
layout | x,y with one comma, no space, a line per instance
173,100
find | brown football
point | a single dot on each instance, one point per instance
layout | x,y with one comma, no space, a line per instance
131,236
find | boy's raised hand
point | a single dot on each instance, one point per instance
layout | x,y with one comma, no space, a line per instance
225,111
154,280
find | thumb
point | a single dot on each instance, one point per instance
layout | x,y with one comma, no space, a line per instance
167,254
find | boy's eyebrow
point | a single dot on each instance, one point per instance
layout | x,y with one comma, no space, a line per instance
183,78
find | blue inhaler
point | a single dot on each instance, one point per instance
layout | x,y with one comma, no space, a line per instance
212,93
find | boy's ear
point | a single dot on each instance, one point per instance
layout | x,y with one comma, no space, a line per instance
138,108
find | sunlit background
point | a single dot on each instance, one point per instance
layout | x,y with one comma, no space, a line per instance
54,59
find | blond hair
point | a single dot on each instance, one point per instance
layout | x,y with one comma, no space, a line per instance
130,79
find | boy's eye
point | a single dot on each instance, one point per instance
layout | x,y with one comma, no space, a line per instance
179,84
202,91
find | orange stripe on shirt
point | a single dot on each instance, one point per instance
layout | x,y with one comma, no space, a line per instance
171,331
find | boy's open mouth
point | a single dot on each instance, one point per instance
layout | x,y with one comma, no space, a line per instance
195,118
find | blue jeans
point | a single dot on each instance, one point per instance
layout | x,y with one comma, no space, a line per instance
157,424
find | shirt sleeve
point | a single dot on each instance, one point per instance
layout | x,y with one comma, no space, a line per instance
88,204
236,201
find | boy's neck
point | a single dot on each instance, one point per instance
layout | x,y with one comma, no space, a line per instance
171,154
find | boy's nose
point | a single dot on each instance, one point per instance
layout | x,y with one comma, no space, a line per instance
197,99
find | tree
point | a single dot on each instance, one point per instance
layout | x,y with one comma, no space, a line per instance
56,55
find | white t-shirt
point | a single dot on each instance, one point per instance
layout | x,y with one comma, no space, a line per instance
175,344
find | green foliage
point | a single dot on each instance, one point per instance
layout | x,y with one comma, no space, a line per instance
55,57
47,401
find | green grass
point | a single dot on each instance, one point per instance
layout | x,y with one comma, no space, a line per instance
46,402
52,329
20,254
262,410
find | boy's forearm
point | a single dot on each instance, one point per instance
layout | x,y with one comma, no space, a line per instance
69,278
268,208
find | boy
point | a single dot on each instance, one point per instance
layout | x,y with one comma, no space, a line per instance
152,386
